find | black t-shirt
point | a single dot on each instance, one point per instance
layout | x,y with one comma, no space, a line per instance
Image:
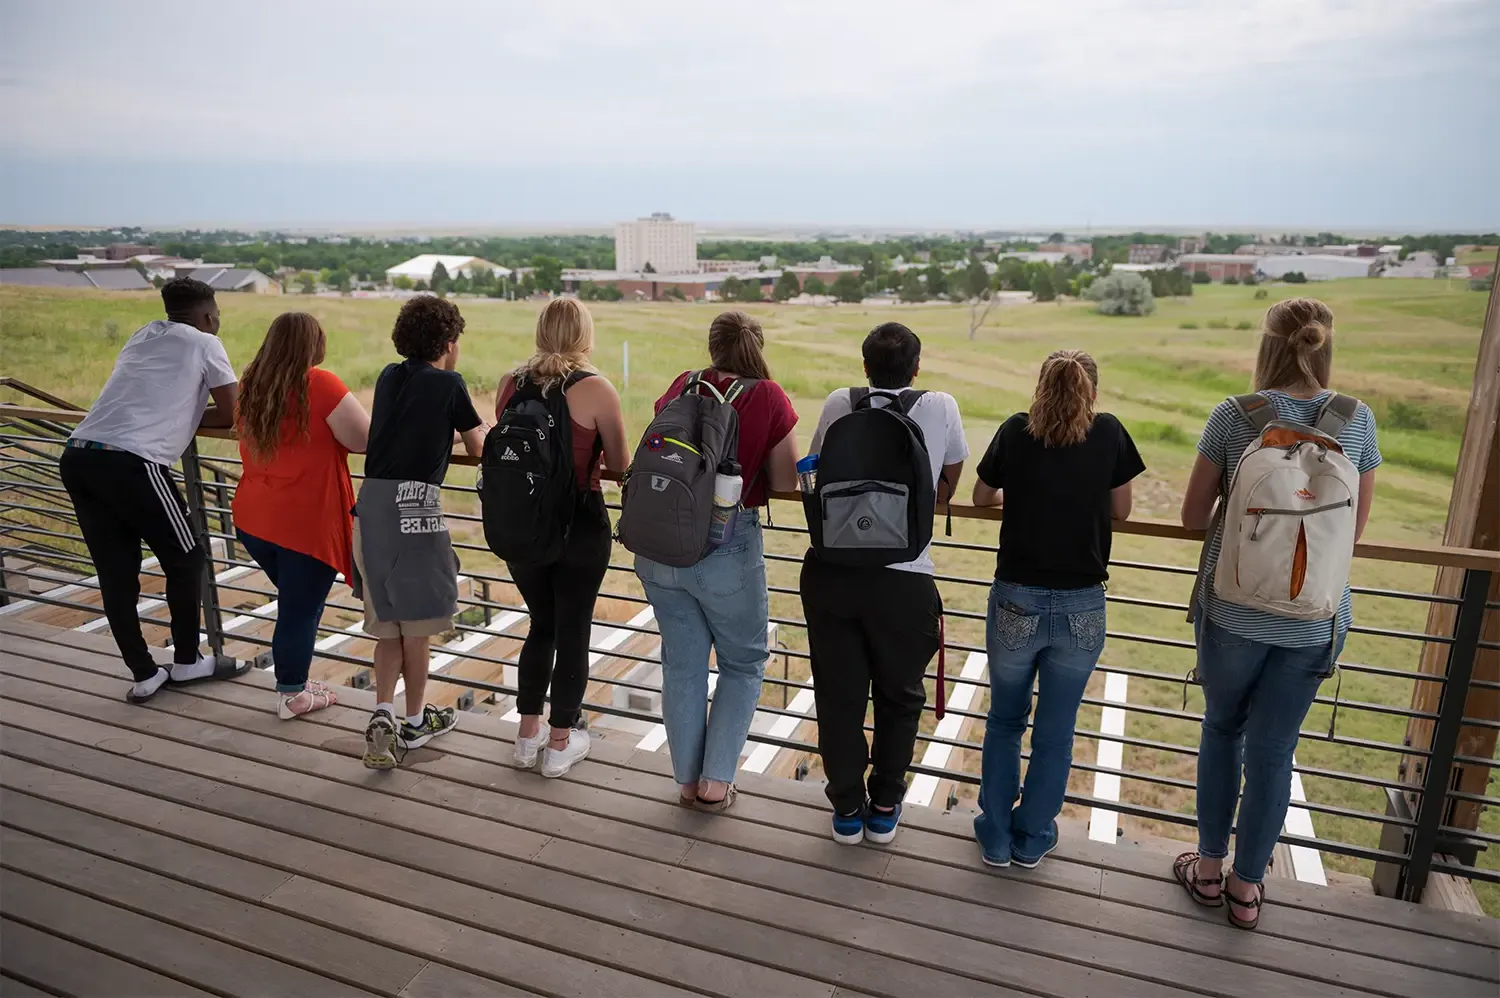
1056,530
417,408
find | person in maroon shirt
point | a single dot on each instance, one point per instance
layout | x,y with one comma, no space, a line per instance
721,603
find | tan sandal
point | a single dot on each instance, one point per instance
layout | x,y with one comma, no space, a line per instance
317,699
717,806
1185,869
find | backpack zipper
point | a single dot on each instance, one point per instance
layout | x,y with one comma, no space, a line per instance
1260,512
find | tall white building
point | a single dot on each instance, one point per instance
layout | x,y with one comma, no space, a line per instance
669,246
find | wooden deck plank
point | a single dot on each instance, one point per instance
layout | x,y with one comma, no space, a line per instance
187,956
67,968
442,981
12,988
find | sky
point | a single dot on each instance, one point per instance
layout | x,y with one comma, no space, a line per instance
996,114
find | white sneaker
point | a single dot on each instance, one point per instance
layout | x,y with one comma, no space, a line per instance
525,751
556,762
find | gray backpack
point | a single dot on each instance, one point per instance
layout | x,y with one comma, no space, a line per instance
669,486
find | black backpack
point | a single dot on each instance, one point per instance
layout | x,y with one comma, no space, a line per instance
875,498
668,491
528,488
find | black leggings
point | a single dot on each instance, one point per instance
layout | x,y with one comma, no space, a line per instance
560,598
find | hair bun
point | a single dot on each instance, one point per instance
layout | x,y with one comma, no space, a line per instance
1310,337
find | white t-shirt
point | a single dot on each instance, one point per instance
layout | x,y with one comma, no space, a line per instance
155,398
942,430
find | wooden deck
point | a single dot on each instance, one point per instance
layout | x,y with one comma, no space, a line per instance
200,845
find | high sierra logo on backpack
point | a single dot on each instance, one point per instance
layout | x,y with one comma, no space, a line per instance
875,498
669,488
527,486
1289,516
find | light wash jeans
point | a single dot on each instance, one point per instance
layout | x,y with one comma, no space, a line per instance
1052,637
1256,696
721,603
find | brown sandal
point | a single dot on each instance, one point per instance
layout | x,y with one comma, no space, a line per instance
717,806
1185,869
1255,903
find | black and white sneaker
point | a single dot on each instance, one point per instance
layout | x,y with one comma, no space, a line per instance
380,741
435,721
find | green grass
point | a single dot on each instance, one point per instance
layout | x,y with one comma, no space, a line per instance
1406,347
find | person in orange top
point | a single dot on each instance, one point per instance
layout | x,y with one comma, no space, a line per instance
297,426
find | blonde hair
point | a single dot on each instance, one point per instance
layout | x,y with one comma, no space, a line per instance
1062,410
736,345
564,340
1296,347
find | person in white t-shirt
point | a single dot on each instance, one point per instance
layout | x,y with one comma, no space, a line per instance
876,629
117,470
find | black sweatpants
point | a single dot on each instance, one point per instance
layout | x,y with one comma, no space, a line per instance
122,500
560,598
868,629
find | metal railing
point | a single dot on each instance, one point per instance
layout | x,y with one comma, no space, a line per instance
44,563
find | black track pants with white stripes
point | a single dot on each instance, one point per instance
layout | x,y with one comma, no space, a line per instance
121,501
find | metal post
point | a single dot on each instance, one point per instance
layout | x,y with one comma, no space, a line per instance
226,520
192,480
1434,803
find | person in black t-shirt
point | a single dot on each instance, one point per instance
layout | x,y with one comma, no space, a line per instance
420,404
1063,473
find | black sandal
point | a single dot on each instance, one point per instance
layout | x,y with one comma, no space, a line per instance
1255,902
1191,881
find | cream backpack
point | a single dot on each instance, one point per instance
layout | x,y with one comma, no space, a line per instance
1288,521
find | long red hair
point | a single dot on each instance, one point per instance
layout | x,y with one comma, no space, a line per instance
275,383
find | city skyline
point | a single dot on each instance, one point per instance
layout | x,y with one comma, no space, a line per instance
1262,114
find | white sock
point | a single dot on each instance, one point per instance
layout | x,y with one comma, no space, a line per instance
415,720
389,708
200,669
146,687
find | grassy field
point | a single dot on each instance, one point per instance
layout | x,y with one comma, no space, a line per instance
1406,347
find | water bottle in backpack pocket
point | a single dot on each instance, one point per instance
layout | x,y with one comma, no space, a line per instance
727,488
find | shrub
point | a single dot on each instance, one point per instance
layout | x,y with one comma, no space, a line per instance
1231,279
1218,323
1244,324
1482,283
1187,325
1201,277
1123,294
1294,277
1261,294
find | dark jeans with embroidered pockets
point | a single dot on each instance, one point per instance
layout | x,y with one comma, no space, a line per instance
1052,637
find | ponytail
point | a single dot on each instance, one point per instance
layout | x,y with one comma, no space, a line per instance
736,346
1296,347
1062,410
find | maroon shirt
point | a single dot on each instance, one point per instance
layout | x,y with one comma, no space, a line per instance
766,417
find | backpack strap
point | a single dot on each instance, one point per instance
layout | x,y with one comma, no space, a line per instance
576,377
696,381
1256,410
1338,412
908,399
738,387
857,396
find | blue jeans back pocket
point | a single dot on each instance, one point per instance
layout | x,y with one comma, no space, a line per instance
1087,629
1015,630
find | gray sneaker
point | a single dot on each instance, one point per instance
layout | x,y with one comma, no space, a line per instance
435,721
380,742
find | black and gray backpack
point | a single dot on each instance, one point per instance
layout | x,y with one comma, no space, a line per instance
875,498
669,487
528,491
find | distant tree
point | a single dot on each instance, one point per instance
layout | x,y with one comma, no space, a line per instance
976,280
815,285
849,288
729,288
548,273
1250,279
1202,277
1294,277
482,279
1056,237
1231,279
309,284
675,293
1123,294
139,268
419,286
440,279
1011,275
265,265
402,283
648,269
787,286
912,288
339,279
462,284
1261,294
1042,288
937,280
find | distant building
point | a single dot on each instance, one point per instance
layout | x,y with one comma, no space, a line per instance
111,279
1147,253
1053,258
1078,251
1191,244
826,270
420,268
660,241
1219,265
727,266
636,285
236,279
120,251
1320,266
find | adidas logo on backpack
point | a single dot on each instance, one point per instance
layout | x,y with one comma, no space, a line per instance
510,455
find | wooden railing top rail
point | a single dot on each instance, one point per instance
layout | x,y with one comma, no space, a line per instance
1450,557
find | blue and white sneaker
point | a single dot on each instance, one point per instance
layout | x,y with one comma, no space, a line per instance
880,826
1030,862
849,829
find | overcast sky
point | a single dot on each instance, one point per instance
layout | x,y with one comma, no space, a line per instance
998,113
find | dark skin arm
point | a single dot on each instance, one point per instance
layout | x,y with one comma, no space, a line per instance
220,415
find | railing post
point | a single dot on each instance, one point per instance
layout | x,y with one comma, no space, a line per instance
192,480
1433,807
226,521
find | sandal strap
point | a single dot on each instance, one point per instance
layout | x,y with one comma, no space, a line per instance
1191,859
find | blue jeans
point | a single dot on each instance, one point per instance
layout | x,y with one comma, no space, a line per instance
302,583
1053,636
1256,696
719,603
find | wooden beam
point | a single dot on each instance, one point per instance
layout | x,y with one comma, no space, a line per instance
1473,522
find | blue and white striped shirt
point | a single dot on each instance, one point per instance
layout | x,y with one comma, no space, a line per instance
1224,440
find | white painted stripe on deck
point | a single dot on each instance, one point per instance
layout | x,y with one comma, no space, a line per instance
1307,864
783,727
609,641
1104,824
153,604
444,657
657,736
923,785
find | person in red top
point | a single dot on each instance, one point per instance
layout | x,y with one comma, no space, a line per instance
297,425
721,603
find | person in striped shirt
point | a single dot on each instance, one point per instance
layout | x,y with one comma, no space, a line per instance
1260,672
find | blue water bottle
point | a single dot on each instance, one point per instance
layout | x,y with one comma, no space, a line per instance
807,474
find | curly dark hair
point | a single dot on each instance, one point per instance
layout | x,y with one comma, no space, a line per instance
181,295
425,327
